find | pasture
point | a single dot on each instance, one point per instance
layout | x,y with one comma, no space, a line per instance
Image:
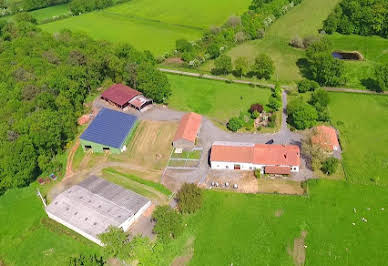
217,100
150,25
363,124
247,229
28,237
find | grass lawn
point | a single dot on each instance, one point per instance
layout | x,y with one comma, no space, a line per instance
26,238
152,25
363,124
217,100
248,229
49,12
187,154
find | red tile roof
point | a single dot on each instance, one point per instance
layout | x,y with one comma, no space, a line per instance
326,137
277,170
119,94
263,154
188,127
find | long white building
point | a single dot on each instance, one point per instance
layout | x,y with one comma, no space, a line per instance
268,158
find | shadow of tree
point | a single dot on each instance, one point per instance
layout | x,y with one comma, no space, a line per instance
371,84
303,66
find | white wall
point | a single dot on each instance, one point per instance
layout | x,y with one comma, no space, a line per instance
132,219
245,166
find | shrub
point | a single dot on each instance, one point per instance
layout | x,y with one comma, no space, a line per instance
223,65
274,103
320,98
239,37
272,120
301,115
213,50
309,40
182,45
189,198
257,173
115,241
168,223
305,85
381,73
330,165
235,123
260,34
255,114
233,21
241,66
256,108
91,260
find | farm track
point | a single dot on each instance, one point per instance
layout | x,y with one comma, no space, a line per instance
206,76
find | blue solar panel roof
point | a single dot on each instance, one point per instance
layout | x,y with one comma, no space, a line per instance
109,128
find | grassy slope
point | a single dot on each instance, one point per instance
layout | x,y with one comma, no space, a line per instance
363,135
218,100
244,230
25,240
49,12
150,25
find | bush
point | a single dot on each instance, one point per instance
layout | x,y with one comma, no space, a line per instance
330,165
305,85
301,115
274,103
381,73
115,241
189,198
320,99
91,260
223,65
241,66
257,173
213,50
182,45
272,120
256,108
297,42
255,114
235,123
233,21
168,223
263,67
239,37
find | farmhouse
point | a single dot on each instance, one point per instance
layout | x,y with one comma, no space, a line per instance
268,158
187,131
123,96
93,205
326,137
109,131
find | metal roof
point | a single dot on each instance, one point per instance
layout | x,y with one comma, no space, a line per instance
95,204
109,128
120,94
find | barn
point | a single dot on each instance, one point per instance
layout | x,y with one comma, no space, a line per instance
123,96
268,158
93,205
187,132
326,137
109,131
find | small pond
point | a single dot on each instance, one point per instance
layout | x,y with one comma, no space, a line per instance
347,55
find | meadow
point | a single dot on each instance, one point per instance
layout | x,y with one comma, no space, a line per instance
150,25
217,100
247,229
363,124
27,237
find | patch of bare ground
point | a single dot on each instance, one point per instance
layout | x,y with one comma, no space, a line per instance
114,262
298,252
174,61
279,213
281,186
246,180
187,254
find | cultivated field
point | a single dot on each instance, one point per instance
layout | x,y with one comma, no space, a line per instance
246,229
363,124
152,25
217,100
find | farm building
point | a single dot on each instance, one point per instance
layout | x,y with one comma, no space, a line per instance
93,205
268,158
326,137
187,131
123,96
109,131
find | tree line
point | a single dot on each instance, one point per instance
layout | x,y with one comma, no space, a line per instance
44,81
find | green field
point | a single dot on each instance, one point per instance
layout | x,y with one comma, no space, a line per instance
150,25
245,230
363,124
49,12
28,238
218,100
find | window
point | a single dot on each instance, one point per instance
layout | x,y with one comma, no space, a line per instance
227,167
87,147
105,149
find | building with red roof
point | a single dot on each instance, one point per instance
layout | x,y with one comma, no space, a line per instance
123,96
326,137
268,158
187,131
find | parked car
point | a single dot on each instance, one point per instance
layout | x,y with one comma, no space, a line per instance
270,141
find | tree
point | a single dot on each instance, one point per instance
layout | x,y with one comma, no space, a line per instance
213,50
241,66
301,115
189,198
256,107
168,223
381,73
182,45
116,243
320,98
330,165
263,66
235,123
326,70
153,83
305,85
223,65
274,103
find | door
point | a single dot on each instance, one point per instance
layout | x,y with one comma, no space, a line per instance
237,167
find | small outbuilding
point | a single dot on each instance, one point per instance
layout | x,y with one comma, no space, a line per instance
187,131
109,131
93,205
123,96
326,137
